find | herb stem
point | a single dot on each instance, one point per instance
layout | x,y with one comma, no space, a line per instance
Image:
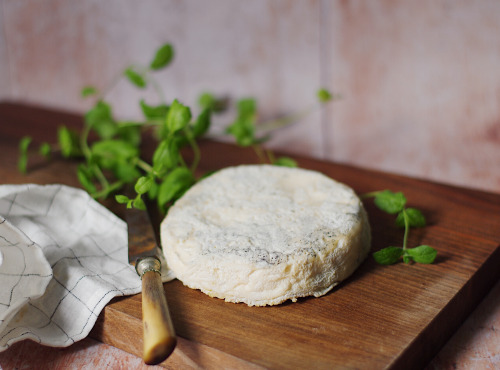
285,121
87,154
108,189
196,150
407,229
158,90
144,165
84,142
271,156
260,153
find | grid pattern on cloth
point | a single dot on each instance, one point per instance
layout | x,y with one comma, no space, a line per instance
86,250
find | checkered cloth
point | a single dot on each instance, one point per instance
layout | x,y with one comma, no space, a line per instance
55,297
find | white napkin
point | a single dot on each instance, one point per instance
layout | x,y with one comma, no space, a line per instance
63,258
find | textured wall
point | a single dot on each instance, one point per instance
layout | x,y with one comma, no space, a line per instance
420,79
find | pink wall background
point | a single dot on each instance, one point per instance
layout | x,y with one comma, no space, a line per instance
420,80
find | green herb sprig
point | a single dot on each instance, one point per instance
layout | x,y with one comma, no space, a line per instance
395,203
114,160
248,132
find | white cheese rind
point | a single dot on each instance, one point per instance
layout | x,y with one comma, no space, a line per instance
262,234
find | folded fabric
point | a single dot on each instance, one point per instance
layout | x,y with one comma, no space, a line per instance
63,257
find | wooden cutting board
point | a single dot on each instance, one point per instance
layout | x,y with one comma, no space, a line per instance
381,317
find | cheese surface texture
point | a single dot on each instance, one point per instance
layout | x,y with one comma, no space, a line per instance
263,234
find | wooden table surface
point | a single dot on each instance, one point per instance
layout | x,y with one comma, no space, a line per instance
398,316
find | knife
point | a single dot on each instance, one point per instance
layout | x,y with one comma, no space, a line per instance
159,339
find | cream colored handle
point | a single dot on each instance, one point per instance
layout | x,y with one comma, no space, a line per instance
159,334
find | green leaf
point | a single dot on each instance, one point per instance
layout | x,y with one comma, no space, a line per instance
285,162
88,91
166,156
114,149
209,101
24,143
111,154
243,131
135,78
151,112
390,202
415,218
324,95
163,57
153,191
69,142
206,100
85,175
202,123
178,117
100,119
243,128
247,108
139,203
45,150
129,133
143,184
125,171
174,185
122,199
22,163
422,254
388,256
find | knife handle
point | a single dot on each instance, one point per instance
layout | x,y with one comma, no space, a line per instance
158,331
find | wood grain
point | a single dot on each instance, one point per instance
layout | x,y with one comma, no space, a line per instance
397,316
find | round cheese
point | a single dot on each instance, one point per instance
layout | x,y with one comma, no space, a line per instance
263,234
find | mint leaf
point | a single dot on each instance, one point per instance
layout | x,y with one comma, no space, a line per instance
45,150
152,112
85,175
153,191
69,142
22,163
247,108
122,199
209,101
285,162
88,91
206,100
174,185
422,254
388,256
118,156
166,156
415,218
107,152
390,202
100,119
202,123
178,117
129,132
324,95
125,171
139,203
135,78
243,131
243,127
163,57
143,185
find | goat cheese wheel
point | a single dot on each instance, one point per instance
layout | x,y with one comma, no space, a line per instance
263,234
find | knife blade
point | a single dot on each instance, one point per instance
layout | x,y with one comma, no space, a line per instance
159,338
